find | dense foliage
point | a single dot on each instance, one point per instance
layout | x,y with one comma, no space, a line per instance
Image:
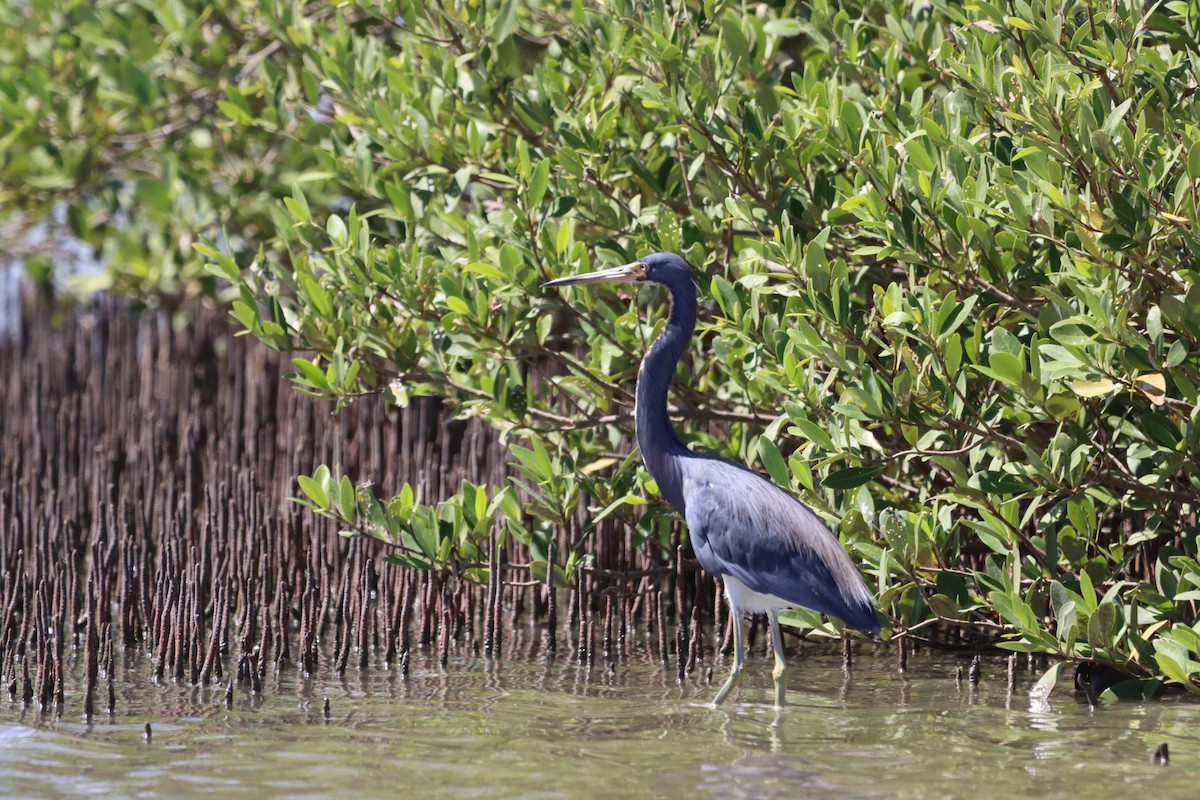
950,254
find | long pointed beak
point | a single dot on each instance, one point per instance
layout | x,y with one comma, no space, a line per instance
627,273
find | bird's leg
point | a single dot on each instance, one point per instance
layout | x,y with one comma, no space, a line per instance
780,663
739,658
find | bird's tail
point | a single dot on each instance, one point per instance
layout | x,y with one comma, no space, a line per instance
859,611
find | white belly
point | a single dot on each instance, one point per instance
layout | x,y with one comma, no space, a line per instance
744,600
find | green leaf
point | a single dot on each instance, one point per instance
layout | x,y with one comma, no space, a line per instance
784,28
347,503
1076,330
1193,161
317,294
1114,118
994,481
1160,429
335,227
735,39
538,183
1007,367
1096,388
505,22
1115,241
1173,661
1135,689
952,314
943,606
772,461
1015,611
619,504
815,434
1062,406
535,462
314,490
1100,626
1045,685
311,374
297,204
852,477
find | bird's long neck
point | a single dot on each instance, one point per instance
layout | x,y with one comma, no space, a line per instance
658,441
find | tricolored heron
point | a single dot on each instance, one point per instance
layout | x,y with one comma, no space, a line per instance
768,548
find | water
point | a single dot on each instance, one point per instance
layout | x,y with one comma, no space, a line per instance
492,729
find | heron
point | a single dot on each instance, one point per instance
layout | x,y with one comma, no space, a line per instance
768,548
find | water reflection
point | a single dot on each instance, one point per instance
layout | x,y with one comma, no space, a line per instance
491,728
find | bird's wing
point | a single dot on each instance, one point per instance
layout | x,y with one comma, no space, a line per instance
743,525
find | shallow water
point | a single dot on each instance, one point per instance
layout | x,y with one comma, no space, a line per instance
492,729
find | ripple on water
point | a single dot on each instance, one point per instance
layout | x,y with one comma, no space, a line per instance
507,729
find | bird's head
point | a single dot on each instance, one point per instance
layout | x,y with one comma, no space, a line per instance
667,269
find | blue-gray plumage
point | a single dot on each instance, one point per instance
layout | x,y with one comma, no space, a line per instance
768,548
